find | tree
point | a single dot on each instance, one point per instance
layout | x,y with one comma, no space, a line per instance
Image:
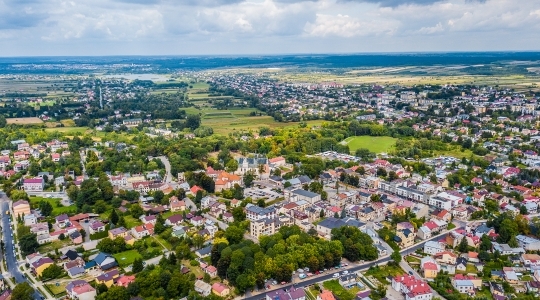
45,208
158,196
113,217
100,207
23,291
231,166
193,121
523,210
234,234
18,195
136,211
3,121
137,265
115,293
238,214
463,246
28,243
51,272
248,179
507,229
396,257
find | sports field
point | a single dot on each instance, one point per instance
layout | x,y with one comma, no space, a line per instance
375,144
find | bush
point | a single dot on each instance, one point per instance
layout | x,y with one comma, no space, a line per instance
194,263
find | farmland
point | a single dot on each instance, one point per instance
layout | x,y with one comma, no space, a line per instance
375,144
24,121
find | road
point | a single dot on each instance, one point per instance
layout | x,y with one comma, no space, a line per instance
355,268
167,164
9,254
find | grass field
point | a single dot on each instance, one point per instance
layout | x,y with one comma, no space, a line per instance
57,290
339,291
58,208
24,121
126,258
375,144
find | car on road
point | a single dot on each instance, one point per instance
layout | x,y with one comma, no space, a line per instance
345,272
410,272
336,275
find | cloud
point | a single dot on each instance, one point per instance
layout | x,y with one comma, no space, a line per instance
268,26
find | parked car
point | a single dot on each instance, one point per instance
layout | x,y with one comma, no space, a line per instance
345,272
336,275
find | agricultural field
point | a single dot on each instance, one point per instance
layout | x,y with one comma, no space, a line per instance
24,121
375,144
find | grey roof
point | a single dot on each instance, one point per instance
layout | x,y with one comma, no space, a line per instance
205,251
305,193
338,223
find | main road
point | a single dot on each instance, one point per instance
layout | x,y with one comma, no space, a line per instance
9,253
364,266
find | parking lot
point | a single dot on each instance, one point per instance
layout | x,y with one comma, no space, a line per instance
264,192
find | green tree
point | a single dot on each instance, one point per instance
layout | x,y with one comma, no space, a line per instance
248,179
234,234
137,265
51,272
45,208
193,121
115,293
396,257
136,211
100,207
463,246
3,121
231,166
28,243
113,217
23,291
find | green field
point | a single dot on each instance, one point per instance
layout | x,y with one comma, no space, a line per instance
58,208
375,144
126,258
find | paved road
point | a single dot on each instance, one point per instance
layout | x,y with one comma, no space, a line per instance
355,268
165,161
11,260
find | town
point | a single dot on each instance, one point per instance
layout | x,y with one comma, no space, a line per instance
363,191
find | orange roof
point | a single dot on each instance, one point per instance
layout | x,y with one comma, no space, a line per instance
473,254
327,295
430,266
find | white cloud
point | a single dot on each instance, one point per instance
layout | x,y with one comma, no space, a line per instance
269,26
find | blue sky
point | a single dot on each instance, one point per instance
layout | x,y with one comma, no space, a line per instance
177,27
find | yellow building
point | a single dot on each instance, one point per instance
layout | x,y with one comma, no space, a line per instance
107,278
21,208
220,289
405,237
40,265
118,232
430,270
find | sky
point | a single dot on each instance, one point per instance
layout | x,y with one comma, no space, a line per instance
236,27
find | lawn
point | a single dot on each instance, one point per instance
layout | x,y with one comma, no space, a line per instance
49,247
375,144
131,221
58,208
56,290
381,273
470,269
126,258
338,290
412,259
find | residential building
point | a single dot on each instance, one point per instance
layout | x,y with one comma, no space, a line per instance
203,288
324,228
108,278
21,208
405,237
292,294
80,290
40,265
220,289
414,289
34,184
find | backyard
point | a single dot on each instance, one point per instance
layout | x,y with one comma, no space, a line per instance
339,291
381,273
58,208
126,258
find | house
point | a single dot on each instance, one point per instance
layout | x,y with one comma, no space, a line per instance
446,257
220,289
430,267
530,260
30,219
292,294
528,243
326,295
149,219
34,184
347,280
174,220
210,270
324,228
203,288
433,247
463,286
105,261
461,264
414,289
496,290
405,237
96,226
204,252
125,280
177,205
107,278
142,230
300,194
62,220
118,232
76,237
197,221
40,265
80,290
21,208
6,295
510,276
